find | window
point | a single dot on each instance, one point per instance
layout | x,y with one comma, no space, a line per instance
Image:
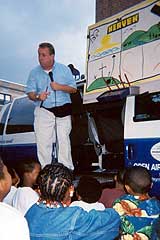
21,117
147,107
3,120
4,98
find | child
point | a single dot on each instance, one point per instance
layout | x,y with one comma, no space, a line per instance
15,181
13,224
139,213
50,218
28,171
88,193
109,195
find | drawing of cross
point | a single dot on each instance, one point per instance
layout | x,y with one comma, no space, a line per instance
101,68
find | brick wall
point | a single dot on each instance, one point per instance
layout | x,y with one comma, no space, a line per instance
107,8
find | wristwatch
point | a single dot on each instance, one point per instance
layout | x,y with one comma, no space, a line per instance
37,97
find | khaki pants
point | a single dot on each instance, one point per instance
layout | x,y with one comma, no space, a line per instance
44,125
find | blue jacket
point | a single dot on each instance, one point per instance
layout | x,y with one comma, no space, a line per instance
72,223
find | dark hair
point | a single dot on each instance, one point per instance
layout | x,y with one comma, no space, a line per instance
120,175
54,181
11,171
27,165
49,46
138,179
89,189
1,169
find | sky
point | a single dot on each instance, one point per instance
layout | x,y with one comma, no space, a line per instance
26,23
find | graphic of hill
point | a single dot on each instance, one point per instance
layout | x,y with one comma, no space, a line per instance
141,37
102,82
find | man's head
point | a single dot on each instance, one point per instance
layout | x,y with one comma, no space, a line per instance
46,54
89,189
137,180
5,180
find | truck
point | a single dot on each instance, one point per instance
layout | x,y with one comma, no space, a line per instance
122,90
116,122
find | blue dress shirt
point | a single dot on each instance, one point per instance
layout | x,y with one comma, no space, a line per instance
39,81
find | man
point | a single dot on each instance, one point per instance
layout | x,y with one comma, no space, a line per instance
50,85
13,224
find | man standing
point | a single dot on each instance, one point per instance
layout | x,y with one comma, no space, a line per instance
50,85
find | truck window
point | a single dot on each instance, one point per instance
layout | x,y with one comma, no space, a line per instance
4,98
147,107
21,116
3,120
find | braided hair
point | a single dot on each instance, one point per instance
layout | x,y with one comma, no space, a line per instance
54,181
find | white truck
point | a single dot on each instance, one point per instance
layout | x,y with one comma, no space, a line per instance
122,90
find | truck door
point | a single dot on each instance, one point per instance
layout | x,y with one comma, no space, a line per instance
18,136
3,117
142,134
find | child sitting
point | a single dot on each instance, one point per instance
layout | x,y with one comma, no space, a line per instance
88,193
139,213
109,195
13,224
28,171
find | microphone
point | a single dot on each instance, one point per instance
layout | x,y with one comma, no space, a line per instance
51,76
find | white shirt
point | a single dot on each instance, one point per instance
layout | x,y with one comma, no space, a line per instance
24,198
9,197
13,226
88,206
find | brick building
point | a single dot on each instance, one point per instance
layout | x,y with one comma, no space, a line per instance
107,8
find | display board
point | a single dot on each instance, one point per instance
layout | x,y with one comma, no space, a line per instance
124,50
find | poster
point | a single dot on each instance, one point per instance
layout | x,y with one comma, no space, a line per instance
124,50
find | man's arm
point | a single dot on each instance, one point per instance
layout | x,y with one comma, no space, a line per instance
38,97
62,87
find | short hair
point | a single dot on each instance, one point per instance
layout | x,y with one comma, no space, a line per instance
89,189
138,179
12,172
120,176
54,181
25,166
49,46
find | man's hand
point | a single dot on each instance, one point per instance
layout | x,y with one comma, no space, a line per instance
55,86
38,97
62,87
43,96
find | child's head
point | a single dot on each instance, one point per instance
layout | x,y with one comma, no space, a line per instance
55,183
28,171
89,189
137,180
14,176
119,178
5,180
